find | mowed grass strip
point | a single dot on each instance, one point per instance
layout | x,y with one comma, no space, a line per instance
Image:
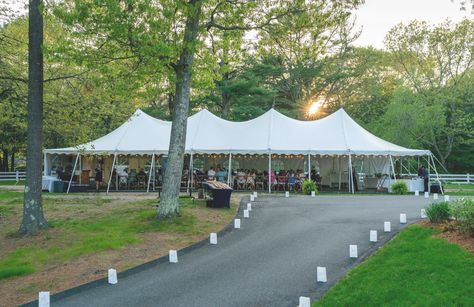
459,189
72,237
414,269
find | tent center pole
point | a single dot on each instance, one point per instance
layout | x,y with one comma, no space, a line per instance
72,174
111,172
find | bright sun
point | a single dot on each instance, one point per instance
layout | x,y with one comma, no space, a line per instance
314,107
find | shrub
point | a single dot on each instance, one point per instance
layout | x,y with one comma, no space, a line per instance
438,212
463,211
308,186
400,187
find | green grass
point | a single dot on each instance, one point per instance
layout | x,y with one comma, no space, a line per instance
459,189
8,196
415,269
12,182
74,237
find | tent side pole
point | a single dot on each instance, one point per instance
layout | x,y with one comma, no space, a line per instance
111,173
351,176
269,172
45,165
437,175
191,169
393,168
339,169
188,180
309,166
151,170
72,174
229,170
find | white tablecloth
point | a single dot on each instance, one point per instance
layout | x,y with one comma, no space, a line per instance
47,183
414,184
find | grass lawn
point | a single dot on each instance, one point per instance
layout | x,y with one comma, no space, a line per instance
90,233
415,269
12,182
459,189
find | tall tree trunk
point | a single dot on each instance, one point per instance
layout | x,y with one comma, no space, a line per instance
169,204
225,105
33,218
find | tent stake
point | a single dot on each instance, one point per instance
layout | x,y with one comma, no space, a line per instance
111,173
72,174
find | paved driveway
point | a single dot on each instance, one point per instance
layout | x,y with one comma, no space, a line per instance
270,261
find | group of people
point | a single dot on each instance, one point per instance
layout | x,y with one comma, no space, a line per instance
253,179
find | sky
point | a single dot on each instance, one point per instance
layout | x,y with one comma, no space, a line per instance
377,17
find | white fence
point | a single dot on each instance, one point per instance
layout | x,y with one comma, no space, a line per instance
12,176
454,178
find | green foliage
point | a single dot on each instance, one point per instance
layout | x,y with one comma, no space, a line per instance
308,186
400,187
414,269
463,211
438,212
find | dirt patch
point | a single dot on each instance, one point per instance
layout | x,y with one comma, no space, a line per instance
449,233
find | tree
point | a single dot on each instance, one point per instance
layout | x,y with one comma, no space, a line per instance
169,205
433,62
33,218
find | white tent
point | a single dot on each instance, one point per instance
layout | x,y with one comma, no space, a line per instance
271,133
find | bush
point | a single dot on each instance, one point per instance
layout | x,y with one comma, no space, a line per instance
400,187
463,211
438,212
308,186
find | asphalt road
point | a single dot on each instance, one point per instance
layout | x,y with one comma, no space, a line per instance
270,261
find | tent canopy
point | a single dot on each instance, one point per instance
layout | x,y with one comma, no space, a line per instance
272,132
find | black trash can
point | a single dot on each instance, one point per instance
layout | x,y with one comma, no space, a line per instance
220,194
59,186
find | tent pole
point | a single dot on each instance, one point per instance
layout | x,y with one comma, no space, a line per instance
309,166
437,175
151,170
188,181
401,169
393,168
154,174
339,169
72,174
351,177
191,169
269,172
111,172
229,170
